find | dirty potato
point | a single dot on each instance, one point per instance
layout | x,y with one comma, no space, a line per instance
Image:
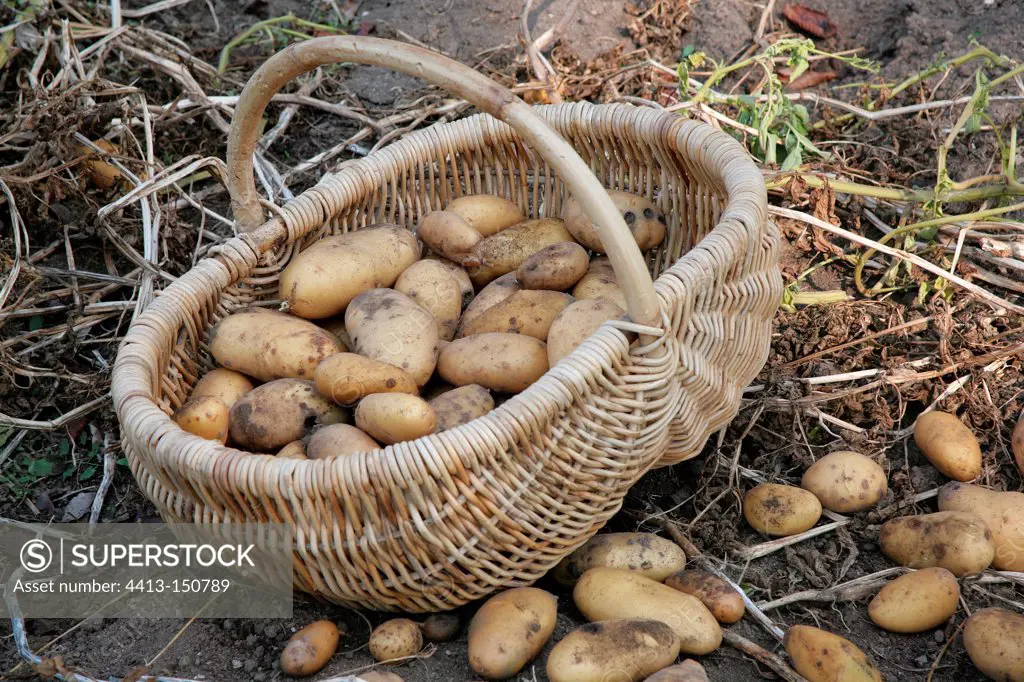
447,234
487,213
632,647
846,481
600,282
338,440
957,541
509,630
505,251
528,312
643,218
576,323
461,405
270,345
441,288
916,602
500,362
687,671
395,639
780,510
994,639
205,416
310,649
395,417
491,295
720,598
1002,512
390,327
643,553
346,378
949,445
294,450
556,267
225,384
821,656
278,412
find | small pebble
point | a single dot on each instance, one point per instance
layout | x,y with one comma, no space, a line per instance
921,661
236,664
228,624
184,662
259,677
271,631
249,665
250,640
939,636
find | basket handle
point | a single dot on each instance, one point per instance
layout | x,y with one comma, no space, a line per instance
481,91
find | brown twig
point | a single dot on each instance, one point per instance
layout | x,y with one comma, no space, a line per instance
755,651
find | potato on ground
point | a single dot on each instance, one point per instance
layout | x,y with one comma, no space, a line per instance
846,482
720,598
447,234
643,553
441,288
322,280
270,345
278,412
1002,512
491,295
509,630
338,440
949,445
524,312
916,602
390,327
505,251
781,510
957,541
556,267
500,362
226,384
461,405
600,282
631,647
994,639
310,649
395,417
395,639
441,627
821,656
687,671
205,416
643,218
487,213
576,323
346,378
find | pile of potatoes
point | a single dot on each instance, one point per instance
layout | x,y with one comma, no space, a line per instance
382,343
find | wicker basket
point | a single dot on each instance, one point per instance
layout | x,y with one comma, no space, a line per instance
430,524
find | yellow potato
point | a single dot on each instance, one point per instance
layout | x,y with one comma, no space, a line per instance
643,553
104,175
576,323
270,345
846,481
323,279
631,647
491,295
1002,512
821,656
441,288
949,445
957,541
1017,442
390,327
780,510
461,406
486,213
379,676
509,630
556,267
600,282
608,593
395,417
643,218
687,671
338,440
448,234
528,312
294,450
441,627
916,602
397,638
310,649
721,599
346,378
205,416
500,362
226,384
994,639
505,251
278,412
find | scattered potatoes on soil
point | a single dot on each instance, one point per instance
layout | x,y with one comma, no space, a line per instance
509,630
643,553
270,345
994,639
294,450
487,213
225,384
441,627
949,445
916,602
397,638
687,671
576,323
529,312
491,295
461,405
781,510
205,416
600,282
278,412
448,234
720,598
631,647
643,218
390,327
1002,512
346,378
395,417
846,482
500,362
441,288
612,593
338,440
505,251
556,267
957,541
821,656
310,649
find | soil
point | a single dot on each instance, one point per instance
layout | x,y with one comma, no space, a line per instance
904,36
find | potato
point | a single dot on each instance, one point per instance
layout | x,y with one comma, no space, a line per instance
441,288
499,362
447,234
687,671
394,639
104,175
556,267
505,251
949,445
294,450
846,481
720,598
338,440
643,218
226,384
916,602
336,326
600,282
524,312
322,280
994,639
486,213
310,649
346,378
461,406
957,541
821,656
780,510
390,327
491,295
576,323
631,647
1017,443
379,676
205,416
278,412
608,593
643,553
1002,512
270,345
395,417
509,630
441,627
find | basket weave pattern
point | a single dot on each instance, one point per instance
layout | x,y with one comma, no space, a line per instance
431,524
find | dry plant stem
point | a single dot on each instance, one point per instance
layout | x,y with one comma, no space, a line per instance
755,651
851,590
766,548
780,179
109,467
65,418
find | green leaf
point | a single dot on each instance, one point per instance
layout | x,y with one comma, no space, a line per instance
41,468
793,159
35,323
687,51
123,462
65,446
87,473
